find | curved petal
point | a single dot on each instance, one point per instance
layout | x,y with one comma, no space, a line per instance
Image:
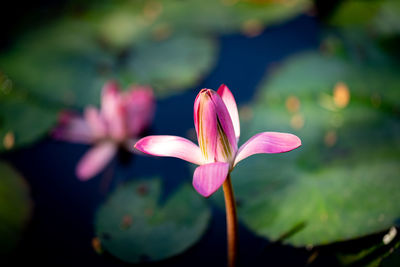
196,112
72,128
206,125
140,107
95,160
113,110
109,96
95,122
170,146
209,177
227,142
268,142
230,104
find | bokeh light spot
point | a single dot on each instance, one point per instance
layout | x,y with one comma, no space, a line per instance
9,140
96,244
297,121
252,28
152,9
126,221
293,104
162,32
341,95
246,113
330,138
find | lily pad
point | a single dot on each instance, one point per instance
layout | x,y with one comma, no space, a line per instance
313,74
173,64
130,21
341,201
380,16
134,227
123,23
341,184
22,119
62,64
229,16
15,207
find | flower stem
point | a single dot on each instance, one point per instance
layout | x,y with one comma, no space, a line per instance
231,221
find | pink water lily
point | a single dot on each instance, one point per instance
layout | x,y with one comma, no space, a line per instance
217,126
122,117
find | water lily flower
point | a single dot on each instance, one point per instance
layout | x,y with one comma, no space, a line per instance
122,118
217,126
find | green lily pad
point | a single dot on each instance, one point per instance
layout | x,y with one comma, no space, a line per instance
130,21
173,64
15,207
380,16
313,74
123,23
22,119
61,64
334,193
338,202
342,183
228,16
134,227
356,13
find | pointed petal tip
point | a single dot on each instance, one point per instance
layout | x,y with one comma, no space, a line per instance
292,141
137,145
223,87
230,103
298,140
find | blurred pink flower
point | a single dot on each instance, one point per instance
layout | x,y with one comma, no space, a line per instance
122,118
217,125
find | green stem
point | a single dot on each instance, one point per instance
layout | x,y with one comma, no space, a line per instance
231,221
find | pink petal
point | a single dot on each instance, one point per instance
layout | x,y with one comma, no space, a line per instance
196,112
268,142
95,122
227,142
230,103
95,160
140,107
170,146
205,119
113,111
72,128
209,177
109,96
